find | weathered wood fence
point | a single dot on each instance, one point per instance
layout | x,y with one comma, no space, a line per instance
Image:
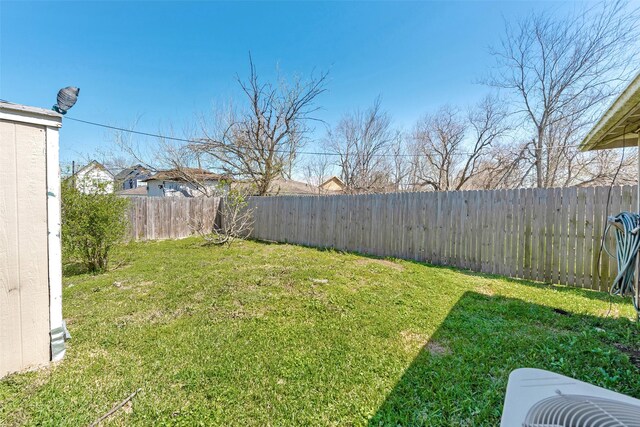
549,235
157,218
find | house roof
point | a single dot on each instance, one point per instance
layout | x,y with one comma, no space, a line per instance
619,125
138,191
333,178
287,186
282,187
183,173
94,164
124,173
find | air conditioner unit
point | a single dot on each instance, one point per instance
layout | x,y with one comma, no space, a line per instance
538,398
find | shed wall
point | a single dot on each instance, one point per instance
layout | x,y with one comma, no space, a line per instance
24,290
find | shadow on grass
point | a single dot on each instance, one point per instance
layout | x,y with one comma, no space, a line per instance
73,268
459,377
77,268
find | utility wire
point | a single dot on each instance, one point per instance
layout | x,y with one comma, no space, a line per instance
172,138
130,130
310,153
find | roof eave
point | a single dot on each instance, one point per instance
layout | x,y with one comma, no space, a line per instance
623,112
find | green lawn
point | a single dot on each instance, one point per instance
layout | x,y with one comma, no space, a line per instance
266,334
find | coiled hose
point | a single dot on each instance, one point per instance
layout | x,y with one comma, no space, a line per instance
627,245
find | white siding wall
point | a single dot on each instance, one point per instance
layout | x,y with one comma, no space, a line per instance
154,188
92,179
157,188
128,184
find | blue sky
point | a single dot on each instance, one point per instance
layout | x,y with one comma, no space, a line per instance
168,62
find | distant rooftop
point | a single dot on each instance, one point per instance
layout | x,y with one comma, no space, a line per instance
124,173
94,164
184,173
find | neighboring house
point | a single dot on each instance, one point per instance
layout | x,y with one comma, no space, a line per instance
93,178
132,177
184,183
333,184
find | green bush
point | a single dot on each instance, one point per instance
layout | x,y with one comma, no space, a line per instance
91,225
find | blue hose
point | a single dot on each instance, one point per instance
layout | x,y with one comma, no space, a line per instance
627,245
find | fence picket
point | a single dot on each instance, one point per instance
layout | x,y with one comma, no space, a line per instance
509,257
580,235
527,233
614,208
589,238
548,235
571,244
564,235
598,228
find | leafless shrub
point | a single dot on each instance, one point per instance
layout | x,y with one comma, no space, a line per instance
236,220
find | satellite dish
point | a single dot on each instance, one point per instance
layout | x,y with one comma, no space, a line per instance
67,98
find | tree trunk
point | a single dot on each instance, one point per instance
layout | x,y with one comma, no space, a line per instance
538,152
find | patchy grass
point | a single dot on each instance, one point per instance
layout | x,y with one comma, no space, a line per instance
267,334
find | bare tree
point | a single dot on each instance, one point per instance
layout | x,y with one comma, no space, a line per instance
559,73
500,168
448,149
436,148
317,170
261,141
605,167
127,148
509,166
399,164
360,140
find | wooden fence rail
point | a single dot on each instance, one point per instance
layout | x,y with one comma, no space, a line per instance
157,218
549,235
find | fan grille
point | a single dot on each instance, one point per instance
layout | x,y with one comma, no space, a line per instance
568,410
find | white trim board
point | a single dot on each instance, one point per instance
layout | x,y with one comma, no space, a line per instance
24,114
53,238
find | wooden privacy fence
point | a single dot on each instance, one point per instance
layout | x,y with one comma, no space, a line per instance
548,235
157,218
